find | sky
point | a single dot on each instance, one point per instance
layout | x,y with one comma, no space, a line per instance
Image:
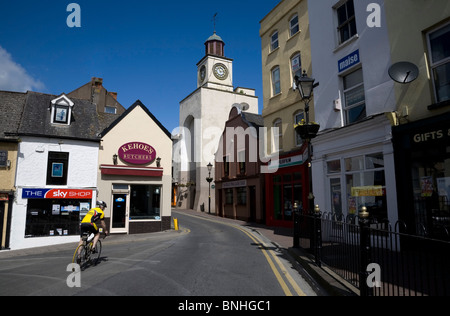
143,50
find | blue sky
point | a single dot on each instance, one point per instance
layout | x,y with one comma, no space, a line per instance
146,50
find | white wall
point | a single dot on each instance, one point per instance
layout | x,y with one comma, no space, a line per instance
32,173
374,48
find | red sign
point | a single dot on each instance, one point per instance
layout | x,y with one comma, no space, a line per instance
137,153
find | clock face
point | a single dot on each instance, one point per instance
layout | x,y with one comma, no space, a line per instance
202,73
221,71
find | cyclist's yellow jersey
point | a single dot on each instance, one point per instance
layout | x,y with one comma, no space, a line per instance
93,216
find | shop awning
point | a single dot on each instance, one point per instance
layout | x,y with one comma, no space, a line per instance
132,171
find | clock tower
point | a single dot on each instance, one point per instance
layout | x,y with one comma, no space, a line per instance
215,70
203,115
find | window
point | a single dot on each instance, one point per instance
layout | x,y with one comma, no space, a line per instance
274,43
294,26
241,162
346,21
229,196
57,168
296,65
61,114
277,133
110,110
242,196
226,166
355,100
298,117
276,81
3,158
439,42
145,202
287,190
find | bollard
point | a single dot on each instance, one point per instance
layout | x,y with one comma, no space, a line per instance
365,249
318,236
175,224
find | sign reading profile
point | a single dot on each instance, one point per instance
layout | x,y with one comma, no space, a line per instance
137,153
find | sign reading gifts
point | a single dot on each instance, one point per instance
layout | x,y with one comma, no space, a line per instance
137,153
56,194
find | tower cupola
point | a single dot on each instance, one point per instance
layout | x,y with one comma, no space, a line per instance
215,45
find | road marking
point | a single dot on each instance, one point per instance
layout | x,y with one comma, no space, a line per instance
265,250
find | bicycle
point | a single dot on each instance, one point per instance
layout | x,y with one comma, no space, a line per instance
86,251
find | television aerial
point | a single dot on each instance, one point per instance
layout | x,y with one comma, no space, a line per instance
404,72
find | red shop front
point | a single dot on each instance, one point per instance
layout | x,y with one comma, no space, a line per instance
287,186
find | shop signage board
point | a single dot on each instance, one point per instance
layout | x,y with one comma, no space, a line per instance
56,194
349,61
136,153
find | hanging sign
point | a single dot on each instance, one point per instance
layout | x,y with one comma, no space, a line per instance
137,153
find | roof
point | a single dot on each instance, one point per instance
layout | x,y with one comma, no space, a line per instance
254,119
36,120
214,37
146,110
11,108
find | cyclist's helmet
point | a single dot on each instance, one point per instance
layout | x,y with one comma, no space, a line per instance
101,203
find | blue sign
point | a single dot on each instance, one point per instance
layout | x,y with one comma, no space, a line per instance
349,61
34,193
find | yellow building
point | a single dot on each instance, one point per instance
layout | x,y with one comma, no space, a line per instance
286,52
12,103
420,39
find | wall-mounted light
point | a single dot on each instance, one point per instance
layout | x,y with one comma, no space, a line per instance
8,164
158,162
115,159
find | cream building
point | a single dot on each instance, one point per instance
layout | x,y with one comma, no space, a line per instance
135,173
202,119
286,53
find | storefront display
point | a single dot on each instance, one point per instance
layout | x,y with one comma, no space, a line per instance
422,151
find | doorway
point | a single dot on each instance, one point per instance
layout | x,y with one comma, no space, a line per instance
119,216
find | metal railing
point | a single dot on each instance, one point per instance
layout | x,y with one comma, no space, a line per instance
375,257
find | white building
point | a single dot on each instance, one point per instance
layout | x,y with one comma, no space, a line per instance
202,119
353,163
57,166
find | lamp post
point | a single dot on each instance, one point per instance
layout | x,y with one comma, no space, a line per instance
209,179
306,129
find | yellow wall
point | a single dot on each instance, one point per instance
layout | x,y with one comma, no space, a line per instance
284,105
408,23
7,175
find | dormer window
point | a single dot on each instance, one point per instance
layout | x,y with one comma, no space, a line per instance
62,110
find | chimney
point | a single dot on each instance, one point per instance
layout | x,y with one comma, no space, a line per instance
114,95
97,85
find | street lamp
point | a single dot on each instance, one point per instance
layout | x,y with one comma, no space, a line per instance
307,131
209,179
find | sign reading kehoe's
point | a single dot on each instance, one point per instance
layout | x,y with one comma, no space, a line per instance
137,153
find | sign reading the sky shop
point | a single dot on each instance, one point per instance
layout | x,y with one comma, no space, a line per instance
349,61
137,153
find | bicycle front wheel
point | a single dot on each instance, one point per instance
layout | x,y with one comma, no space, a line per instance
98,252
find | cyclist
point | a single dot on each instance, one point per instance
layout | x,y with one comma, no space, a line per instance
89,223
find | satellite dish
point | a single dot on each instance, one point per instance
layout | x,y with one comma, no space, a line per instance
404,72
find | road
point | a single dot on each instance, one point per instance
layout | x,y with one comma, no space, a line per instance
207,257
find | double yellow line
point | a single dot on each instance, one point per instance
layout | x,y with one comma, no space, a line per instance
269,255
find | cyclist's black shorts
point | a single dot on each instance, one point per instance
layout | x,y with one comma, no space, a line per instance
88,228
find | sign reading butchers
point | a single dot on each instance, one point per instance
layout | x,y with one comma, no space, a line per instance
137,153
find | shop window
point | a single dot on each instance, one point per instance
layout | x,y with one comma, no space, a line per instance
355,99
242,196
229,197
54,217
145,202
366,185
287,190
346,21
57,168
439,45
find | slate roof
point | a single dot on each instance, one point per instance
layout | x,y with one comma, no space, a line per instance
11,108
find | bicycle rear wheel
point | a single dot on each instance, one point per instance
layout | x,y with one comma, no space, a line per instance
81,257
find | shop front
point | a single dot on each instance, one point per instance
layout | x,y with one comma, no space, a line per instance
135,173
422,156
287,186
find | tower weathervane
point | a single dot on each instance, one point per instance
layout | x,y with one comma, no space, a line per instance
214,20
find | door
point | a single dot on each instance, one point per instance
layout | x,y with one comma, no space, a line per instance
119,216
2,216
